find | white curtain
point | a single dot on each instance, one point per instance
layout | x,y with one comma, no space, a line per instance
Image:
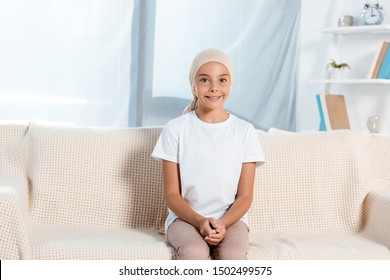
260,37
125,62
65,61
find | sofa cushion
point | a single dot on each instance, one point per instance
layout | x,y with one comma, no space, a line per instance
65,243
314,246
98,177
311,181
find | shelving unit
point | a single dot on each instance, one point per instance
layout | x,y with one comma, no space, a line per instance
351,30
365,97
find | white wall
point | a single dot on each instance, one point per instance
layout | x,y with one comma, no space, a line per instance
357,50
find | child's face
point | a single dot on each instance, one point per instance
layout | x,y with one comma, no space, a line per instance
212,85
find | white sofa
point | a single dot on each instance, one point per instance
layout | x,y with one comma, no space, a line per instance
95,193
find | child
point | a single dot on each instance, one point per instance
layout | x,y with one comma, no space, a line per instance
209,163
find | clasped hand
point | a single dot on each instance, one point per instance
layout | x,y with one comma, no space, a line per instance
213,231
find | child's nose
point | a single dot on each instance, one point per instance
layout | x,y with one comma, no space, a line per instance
213,88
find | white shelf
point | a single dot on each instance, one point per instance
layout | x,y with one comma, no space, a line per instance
358,29
353,81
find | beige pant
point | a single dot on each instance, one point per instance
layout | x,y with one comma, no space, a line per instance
189,244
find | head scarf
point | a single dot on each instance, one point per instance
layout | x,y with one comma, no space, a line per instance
201,58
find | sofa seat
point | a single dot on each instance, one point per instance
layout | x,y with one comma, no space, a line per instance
64,243
55,243
317,246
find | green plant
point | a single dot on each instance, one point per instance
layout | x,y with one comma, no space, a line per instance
334,64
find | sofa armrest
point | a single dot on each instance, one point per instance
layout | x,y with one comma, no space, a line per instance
377,216
14,241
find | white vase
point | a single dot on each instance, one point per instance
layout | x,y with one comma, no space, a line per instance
335,73
373,124
338,73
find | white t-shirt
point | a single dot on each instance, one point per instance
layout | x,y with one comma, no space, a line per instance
210,157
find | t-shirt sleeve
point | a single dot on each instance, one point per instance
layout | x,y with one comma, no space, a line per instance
167,146
253,151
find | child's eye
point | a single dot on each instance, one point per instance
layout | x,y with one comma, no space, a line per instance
223,80
203,80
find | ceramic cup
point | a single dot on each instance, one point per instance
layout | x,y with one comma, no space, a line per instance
345,20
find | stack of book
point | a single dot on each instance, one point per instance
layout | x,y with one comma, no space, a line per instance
333,112
380,66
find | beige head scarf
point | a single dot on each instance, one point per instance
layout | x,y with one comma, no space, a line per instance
201,58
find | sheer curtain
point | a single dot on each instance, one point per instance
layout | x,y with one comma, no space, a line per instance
65,62
261,39
126,62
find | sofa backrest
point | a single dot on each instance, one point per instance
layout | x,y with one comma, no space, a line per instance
379,156
10,136
311,181
314,181
94,176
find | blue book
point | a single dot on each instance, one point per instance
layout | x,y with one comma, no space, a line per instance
322,121
384,71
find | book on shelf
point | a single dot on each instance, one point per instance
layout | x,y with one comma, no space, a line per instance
333,111
378,60
323,111
384,71
322,121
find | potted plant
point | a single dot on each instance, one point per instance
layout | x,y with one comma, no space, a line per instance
335,70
